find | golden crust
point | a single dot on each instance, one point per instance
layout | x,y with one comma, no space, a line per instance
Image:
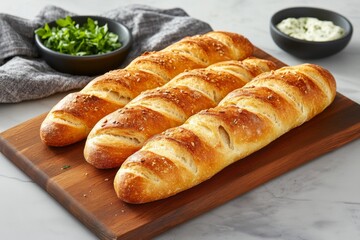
185,100
238,44
67,123
125,83
153,69
244,121
146,168
164,64
121,133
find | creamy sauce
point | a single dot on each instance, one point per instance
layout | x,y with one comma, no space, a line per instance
310,29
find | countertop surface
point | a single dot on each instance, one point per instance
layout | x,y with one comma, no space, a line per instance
319,200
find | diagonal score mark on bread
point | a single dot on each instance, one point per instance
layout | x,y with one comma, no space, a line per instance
246,120
114,89
111,140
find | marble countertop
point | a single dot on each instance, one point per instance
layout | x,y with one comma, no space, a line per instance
320,200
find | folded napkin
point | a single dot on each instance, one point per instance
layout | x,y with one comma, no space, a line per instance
25,76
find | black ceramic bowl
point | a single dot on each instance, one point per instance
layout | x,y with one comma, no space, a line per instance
90,64
310,49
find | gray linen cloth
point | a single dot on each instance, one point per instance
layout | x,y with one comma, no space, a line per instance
24,75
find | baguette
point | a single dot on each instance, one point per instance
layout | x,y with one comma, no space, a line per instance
74,116
121,133
244,121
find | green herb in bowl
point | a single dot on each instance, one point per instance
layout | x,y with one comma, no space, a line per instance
68,37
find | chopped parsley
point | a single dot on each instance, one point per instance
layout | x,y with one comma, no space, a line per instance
65,167
68,37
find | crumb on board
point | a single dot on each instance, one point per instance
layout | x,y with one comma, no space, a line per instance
65,167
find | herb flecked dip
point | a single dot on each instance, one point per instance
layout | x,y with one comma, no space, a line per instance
310,29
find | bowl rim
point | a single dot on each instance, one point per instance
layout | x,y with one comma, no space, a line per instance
273,25
124,47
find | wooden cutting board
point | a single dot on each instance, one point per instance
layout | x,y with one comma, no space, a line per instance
88,193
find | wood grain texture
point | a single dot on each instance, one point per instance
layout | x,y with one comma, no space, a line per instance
88,193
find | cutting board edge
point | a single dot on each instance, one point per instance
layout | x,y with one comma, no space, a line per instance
22,163
78,211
